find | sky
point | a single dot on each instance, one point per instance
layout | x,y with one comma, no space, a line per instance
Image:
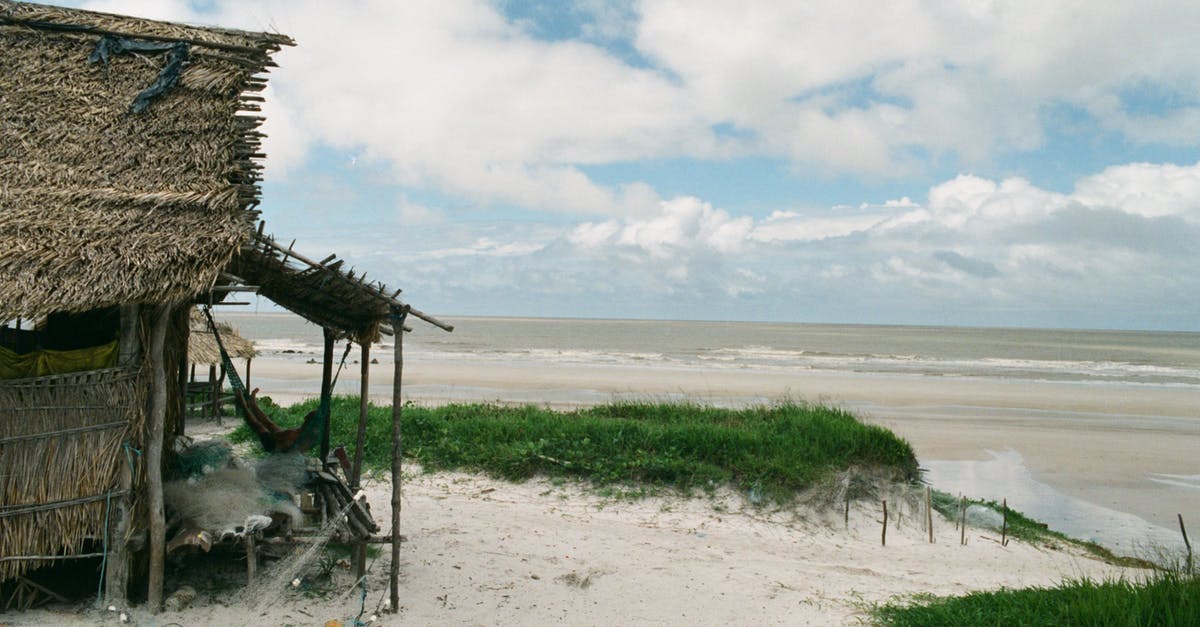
1032,164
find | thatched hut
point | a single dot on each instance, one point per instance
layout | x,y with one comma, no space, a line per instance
128,187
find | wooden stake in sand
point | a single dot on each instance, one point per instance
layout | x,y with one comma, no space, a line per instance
883,536
1186,543
929,512
962,523
847,521
1004,524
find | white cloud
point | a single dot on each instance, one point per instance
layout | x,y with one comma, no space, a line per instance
975,247
1144,189
452,95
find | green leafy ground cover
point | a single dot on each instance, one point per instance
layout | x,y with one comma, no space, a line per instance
776,450
1167,598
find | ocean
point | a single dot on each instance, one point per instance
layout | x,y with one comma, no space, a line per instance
1111,357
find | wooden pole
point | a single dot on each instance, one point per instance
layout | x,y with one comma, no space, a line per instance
154,449
251,559
363,400
929,511
397,412
183,397
883,536
326,390
962,523
213,391
847,513
1004,524
116,574
360,549
1186,543
248,374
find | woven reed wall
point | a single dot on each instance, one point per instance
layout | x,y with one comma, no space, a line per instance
61,446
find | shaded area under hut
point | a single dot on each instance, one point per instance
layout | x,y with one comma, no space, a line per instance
129,179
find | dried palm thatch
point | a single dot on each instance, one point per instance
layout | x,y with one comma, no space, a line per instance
202,346
77,426
101,206
323,292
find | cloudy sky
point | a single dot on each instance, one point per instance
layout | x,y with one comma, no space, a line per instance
970,163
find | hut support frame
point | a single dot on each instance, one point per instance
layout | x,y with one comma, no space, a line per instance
398,316
117,567
154,449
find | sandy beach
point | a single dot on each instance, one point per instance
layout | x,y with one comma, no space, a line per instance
480,551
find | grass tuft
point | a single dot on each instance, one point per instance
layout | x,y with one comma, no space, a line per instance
1166,598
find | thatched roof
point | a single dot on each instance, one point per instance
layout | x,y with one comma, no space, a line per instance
325,292
202,346
99,205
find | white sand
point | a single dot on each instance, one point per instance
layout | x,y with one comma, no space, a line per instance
486,552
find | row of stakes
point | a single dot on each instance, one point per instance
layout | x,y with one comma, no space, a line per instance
962,523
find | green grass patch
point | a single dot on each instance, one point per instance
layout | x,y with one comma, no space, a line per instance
1165,598
774,451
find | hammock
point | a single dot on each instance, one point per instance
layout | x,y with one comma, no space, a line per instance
273,438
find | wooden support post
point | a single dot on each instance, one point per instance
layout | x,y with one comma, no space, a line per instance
397,448
929,511
213,391
326,390
248,374
116,573
360,548
154,450
183,397
181,380
363,400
